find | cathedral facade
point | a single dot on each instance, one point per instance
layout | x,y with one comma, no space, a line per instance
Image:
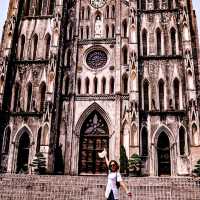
80,76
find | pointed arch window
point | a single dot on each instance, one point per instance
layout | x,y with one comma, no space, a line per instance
22,47
35,46
125,83
144,142
146,95
79,86
6,140
182,142
87,85
103,85
144,42
42,96
173,41
112,85
95,85
113,11
158,40
48,42
161,94
156,4
176,93
17,92
143,4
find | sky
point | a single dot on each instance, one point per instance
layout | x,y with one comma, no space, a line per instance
4,7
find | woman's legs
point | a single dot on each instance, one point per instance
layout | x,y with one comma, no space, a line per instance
111,196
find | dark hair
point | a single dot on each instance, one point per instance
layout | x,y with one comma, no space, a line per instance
113,161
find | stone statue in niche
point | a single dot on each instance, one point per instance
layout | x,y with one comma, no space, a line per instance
98,27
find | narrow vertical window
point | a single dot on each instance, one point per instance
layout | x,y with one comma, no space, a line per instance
51,7
113,30
170,4
22,47
107,31
39,8
87,85
125,56
29,96
79,86
103,85
69,54
113,11
82,13
158,40
39,140
48,42
35,45
161,94
144,142
125,83
88,12
95,85
143,4
87,32
146,95
27,7
81,33
70,32
67,85
173,41
176,93
112,85
17,92
124,28
107,12
6,140
156,4
182,144
42,96
144,42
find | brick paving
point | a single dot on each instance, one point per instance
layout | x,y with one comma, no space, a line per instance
26,187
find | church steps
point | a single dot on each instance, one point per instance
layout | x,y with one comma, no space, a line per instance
93,187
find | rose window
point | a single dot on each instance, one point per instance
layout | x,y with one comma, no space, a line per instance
96,59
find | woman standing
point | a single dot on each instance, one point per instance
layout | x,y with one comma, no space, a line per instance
114,180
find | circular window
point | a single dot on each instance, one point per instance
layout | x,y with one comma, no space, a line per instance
96,59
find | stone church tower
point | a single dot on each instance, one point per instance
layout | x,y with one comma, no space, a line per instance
80,76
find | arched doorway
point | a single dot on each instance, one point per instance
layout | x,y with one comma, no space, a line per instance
23,153
163,152
94,137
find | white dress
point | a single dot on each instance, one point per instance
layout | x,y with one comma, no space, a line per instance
111,185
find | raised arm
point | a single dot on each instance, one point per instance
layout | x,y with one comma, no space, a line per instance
107,161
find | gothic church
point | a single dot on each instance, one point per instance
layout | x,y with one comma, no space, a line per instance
80,76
